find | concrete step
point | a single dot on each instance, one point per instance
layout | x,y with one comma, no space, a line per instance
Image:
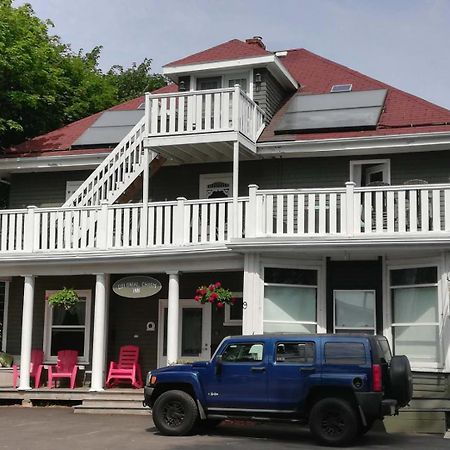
141,411
112,403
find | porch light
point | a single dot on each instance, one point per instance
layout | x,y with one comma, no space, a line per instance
181,86
257,81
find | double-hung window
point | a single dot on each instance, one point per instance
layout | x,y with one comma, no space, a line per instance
290,300
415,314
68,329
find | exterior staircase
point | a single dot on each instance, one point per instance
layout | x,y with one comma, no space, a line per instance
115,401
116,173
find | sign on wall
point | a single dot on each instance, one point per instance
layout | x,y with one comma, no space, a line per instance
137,287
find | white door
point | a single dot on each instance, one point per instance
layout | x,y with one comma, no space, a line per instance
194,337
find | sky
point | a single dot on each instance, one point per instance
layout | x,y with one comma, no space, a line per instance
405,43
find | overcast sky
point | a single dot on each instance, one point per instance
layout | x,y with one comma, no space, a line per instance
405,43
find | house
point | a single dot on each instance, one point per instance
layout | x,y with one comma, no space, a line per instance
318,195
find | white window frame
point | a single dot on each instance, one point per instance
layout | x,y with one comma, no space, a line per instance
387,307
228,322
355,328
356,169
320,289
48,324
72,186
5,313
248,74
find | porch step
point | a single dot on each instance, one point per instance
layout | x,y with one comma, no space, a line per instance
113,403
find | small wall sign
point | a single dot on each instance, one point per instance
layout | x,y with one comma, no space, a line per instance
137,287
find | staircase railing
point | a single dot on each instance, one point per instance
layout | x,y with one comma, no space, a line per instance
117,171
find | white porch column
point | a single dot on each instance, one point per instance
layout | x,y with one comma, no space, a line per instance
98,346
27,332
173,313
252,318
235,189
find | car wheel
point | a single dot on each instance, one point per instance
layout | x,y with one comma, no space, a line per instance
175,413
400,380
333,421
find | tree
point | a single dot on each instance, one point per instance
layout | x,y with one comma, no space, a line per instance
136,80
45,85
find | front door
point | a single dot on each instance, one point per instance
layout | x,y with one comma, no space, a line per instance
194,337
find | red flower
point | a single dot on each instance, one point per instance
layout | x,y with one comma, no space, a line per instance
198,291
203,292
220,305
214,296
211,287
211,300
197,298
218,284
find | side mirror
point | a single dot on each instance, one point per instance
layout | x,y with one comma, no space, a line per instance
219,364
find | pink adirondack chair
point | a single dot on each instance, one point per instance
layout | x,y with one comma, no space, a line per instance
126,369
36,366
66,367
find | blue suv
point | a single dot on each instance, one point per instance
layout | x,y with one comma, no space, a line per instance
339,384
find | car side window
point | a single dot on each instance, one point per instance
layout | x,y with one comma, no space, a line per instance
345,353
295,352
243,352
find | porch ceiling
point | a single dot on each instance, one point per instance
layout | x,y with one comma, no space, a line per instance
194,150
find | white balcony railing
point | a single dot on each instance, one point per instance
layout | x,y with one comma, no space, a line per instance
194,112
388,211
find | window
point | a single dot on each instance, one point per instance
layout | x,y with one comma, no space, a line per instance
295,352
71,187
216,185
341,88
68,330
354,311
290,300
370,172
233,314
345,353
245,352
204,84
415,313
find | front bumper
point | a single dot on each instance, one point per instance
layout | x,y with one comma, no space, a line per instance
148,392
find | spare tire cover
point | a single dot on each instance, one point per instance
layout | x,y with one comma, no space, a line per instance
400,377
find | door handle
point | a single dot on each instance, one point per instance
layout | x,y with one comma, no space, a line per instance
307,370
258,369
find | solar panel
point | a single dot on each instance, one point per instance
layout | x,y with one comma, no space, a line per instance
110,128
341,88
348,110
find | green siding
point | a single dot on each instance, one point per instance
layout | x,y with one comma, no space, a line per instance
42,189
270,94
279,173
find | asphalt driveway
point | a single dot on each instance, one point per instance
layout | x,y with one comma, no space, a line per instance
54,428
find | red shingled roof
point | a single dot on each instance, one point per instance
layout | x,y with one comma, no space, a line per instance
59,141
403,113
234,49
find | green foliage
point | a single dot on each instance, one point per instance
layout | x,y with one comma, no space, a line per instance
45,85
65,298
136,80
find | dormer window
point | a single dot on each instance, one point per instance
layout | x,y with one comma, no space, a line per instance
204,84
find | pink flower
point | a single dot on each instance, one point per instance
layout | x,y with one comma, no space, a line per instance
197,298
211,287
218,285
220,305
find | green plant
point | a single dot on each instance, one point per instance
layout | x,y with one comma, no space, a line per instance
65,298
215,294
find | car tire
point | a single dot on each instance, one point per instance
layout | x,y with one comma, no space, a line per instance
400,380
333,421
175,413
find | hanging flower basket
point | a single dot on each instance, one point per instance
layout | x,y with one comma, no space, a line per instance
215,294
65,298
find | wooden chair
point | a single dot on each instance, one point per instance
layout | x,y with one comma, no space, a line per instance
126,369
66,367
36,366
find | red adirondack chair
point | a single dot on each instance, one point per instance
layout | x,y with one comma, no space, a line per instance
66,367
126,369
36,366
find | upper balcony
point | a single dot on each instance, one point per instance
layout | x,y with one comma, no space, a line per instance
305,217
201,126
